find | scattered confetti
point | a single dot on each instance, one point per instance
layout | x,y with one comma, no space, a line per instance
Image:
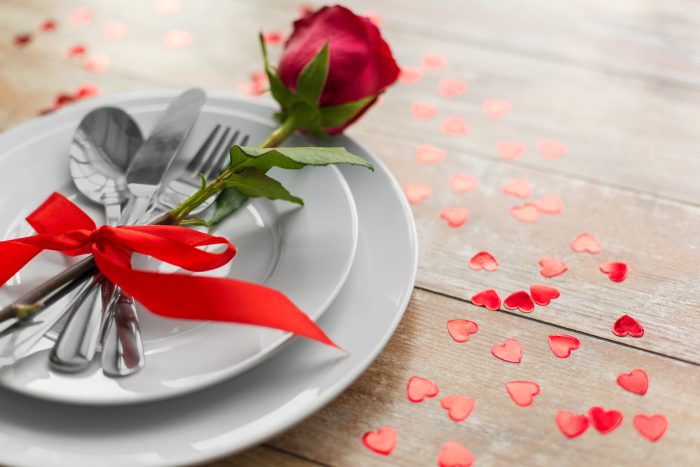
520,188
461,329
562,345
652,427
75,51
627,326
256,86
461,183
525,213
549,204
423,110
410,74
114,30
176,39
427,154
636,381
20,40
496,109
84,91
48,26
459,408
543,294
80,17
455,217
432,61
483,260
273,37
551,150
586,243
97,63
522,392
603,420
305,10
167,7
452,87
454,125
374,16
454,454
489,299
419,388
417,193
552,267
510,351
510,150
382,441
520,300
616,271
572,424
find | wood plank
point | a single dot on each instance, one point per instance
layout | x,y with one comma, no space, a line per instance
262,456
498,432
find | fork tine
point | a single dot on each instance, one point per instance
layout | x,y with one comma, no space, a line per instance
214,154
243,142
198,159
221,163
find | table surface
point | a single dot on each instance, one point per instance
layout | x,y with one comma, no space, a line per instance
617,82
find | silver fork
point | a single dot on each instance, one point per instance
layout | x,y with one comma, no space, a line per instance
210,160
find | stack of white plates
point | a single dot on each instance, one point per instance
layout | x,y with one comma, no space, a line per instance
347,258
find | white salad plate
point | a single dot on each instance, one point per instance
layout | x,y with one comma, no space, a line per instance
267,399
304,252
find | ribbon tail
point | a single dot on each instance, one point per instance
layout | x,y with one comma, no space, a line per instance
13,257
212,298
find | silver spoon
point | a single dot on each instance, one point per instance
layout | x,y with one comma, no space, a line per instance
102,149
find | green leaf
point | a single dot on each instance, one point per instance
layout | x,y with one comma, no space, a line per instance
229,201
312,78
254,183
336,116
264,159
279,91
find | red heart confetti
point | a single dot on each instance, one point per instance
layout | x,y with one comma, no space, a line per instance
543,294
483,260
114,30
496,108
433,61
167,7
423,110
87,90
651,427
454,454
551,150
488,299
48,26
97,63
571,424
427,154
20,40
80,17
562,345
417,193
510,150
552,267
510,351
586,243
461,183
256,86
636,381
382,441
454,125
419,388
525,213
461,329
549,204
520,300
63,99
520,188
627,326
522,392
455,217
176,39
273,37
459,408
75,51
603,420
452,87
410,74
616,271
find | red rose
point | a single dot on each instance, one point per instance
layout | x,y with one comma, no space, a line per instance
360,65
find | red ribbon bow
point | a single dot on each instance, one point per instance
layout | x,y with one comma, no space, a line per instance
63,226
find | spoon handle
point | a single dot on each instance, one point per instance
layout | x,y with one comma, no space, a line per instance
122,351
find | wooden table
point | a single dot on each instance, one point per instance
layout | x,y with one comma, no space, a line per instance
618,82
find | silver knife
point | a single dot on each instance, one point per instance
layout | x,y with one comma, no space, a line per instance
77,344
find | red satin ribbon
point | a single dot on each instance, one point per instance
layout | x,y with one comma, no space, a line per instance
63,226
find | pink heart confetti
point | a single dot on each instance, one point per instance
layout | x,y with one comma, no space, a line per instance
455,217
176,39
525,213
549,204
461,183
459,408
616,271
461,329
510,150
454,454
551,150
543,294
652,427
87,90
572,424
97,63
510,351
167,7
562,345
452,87
427,154
483,260
75,51
80,17
636,381
273,38
489,299
433,61
419,388
410,74
454,125
416,193
423,110
496,109
374,16
48,26
520,188
586,243
382,441
523,392
114,30
552,267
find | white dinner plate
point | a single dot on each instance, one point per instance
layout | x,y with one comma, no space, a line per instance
304,252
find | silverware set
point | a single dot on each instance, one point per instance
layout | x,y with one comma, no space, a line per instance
112,165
